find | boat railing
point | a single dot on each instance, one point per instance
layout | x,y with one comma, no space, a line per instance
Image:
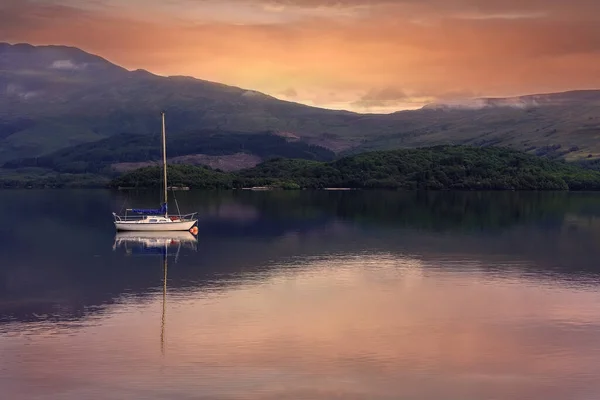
137,217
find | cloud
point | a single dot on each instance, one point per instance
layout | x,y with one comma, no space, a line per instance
17,91
67,65
444,5
289,93
481,9
281,11
382,98
509,16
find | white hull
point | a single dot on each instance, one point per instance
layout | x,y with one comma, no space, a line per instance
154,227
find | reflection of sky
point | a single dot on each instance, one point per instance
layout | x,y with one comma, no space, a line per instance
378,326
291,297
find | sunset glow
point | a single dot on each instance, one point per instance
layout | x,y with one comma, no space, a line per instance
362,55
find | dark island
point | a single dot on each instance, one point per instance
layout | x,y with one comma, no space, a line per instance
434,168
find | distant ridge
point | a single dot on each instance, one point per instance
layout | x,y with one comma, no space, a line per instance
520,102
53,98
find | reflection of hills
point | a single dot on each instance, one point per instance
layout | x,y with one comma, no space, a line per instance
437,211
58,261
446,211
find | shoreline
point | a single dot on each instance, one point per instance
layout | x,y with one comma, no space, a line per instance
260,189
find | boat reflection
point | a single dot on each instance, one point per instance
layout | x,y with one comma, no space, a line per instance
158,244
153,243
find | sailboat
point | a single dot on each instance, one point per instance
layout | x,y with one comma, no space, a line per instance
156,219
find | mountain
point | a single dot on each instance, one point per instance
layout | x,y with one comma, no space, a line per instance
57,99
52,97
563,125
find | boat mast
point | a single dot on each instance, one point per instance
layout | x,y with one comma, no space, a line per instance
164,152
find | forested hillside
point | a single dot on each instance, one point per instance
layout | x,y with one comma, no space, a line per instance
435,168
100,157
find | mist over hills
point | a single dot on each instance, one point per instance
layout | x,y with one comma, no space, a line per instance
55,100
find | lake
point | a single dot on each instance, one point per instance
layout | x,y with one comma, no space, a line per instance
302,295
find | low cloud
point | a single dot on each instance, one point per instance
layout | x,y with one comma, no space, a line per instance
19,92
290,93
382,98
521,103
67,65
507,16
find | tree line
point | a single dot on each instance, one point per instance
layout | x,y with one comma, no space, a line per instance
433,168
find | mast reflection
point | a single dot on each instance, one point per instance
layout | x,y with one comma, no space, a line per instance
157,244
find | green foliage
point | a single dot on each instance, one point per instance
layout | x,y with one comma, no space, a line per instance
178,175
592,164
435,168
41,178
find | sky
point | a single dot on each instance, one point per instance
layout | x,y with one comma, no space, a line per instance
359,55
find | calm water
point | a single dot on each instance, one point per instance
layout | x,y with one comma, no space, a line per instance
304,295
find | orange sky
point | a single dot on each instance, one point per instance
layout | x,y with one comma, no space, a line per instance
363,55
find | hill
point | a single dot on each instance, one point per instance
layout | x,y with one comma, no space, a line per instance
125,152
436,168
55,97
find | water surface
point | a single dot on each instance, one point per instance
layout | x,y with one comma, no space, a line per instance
303,295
